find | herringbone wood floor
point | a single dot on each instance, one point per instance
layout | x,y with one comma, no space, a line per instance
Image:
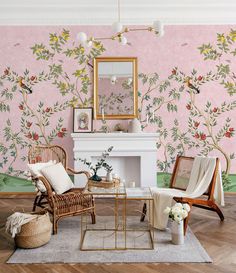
219,239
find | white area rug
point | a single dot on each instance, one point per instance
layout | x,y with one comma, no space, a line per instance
65,248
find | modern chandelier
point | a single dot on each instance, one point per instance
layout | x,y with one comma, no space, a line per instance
120,32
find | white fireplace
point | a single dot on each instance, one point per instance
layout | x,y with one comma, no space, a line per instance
133,157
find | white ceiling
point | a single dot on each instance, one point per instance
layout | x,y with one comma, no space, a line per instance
104,12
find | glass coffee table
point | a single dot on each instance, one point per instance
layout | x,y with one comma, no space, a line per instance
114,228
142,230
109,232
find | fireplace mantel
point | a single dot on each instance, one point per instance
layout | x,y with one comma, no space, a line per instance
134,156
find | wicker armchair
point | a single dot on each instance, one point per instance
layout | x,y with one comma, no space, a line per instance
70,203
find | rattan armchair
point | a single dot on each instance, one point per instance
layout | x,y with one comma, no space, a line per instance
70,203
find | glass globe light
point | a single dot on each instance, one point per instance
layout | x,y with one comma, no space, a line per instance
117,27
113,79
158,26
123,40
82,37
161,33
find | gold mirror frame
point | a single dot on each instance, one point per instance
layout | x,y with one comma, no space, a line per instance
96,61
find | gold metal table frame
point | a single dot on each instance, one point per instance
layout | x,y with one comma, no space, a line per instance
143,194
115,235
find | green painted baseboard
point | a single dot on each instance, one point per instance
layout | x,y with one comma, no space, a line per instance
164,178
16,184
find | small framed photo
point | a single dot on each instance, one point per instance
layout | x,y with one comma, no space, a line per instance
83,120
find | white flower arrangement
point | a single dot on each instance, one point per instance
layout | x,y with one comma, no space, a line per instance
178,212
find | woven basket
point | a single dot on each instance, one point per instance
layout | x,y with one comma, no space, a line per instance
104,184
35,233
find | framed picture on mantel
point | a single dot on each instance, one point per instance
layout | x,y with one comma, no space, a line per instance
83,120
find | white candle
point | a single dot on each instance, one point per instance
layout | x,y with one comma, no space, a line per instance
153,115
114,175
103,116
147,118
132,184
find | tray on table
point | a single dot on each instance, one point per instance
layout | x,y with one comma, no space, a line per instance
104,184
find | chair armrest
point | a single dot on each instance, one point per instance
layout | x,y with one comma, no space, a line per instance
79,172
47,185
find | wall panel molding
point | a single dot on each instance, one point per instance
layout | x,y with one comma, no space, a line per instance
104,12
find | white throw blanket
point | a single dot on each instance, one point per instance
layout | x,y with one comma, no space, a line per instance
16,220
200,179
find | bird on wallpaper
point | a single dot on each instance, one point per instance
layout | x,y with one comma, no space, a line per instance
191,86
23,86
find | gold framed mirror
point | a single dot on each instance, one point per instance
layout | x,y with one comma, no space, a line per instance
115,88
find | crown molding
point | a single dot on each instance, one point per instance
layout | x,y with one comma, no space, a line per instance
104,12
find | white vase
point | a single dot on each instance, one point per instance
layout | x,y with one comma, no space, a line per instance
177,233
134,126
109,176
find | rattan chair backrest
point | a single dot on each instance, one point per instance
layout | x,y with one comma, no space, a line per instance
45,153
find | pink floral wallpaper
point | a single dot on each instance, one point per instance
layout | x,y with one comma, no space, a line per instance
116,98
186,85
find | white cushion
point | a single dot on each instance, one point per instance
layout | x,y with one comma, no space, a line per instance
58,178
35,170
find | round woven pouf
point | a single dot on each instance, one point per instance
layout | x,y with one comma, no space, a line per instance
35,233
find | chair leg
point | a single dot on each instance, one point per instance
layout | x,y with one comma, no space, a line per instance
54,224
93,216
144,212
35,202
186,220
186,225
40,200
55,228
218,211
